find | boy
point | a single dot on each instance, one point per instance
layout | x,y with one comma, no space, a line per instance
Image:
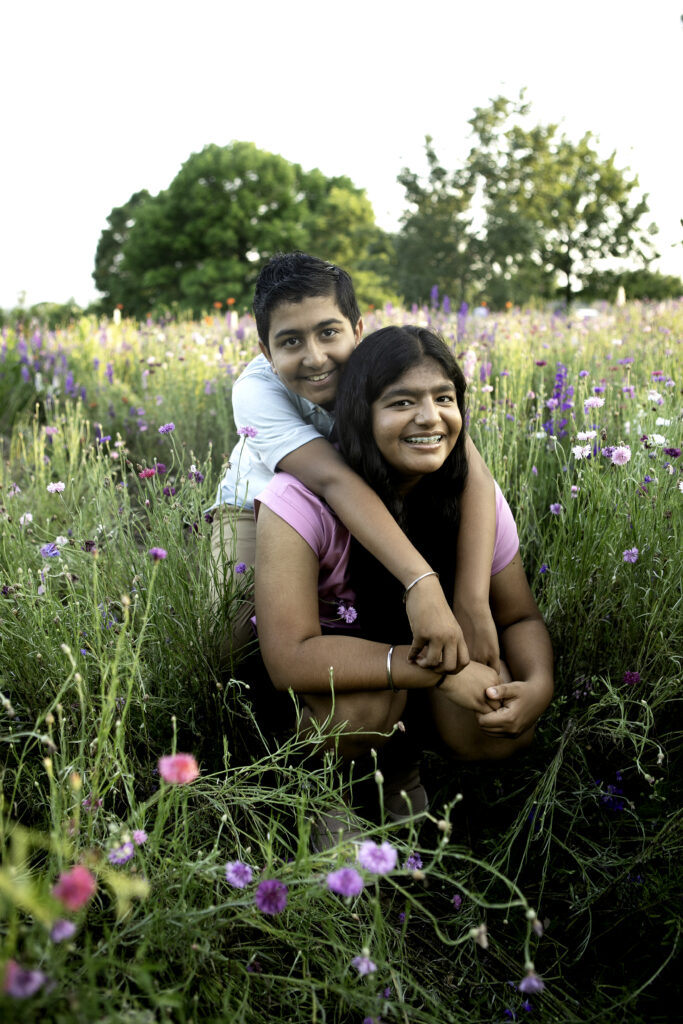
308,323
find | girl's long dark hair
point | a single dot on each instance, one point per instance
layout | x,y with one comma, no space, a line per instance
429,513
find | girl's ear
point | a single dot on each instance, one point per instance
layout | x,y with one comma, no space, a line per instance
358,332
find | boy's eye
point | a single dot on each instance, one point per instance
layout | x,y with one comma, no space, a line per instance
290,342
329,332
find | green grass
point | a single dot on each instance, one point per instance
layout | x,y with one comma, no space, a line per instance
109,660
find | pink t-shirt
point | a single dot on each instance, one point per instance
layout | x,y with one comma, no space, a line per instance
330,540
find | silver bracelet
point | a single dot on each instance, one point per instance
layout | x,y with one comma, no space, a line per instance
390,681
422,577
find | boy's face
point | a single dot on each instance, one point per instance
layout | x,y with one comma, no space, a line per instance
310,342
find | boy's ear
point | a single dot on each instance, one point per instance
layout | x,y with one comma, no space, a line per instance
266,353
358,332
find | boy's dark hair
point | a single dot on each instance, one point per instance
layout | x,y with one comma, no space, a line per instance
294,276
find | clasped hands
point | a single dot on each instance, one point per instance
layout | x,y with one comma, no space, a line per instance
502,708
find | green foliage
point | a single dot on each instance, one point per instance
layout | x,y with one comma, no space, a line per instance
552,210
109,660
203,239
637,284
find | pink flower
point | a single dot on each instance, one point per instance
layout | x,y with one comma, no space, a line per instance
238,874
247,431
56,488
631,555
347,612
345,881
555,508
457,901
377,858
140,836
62,929
178,769
271,896
593,403
75,888
145,474
621,455
157,554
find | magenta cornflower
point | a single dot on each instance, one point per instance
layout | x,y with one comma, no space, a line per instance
140,837
20,983
271,896
630,555
157,554
621,455
62,930
56,488
167,428
121,854
531,984
238,874
75,887
178,769
378,858
145,474
631,678
457,901
247,431
345,881
51,431
363,964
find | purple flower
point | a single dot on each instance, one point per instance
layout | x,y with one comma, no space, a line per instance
140,836
556,508
631,678
121,854
62,930
247,431
363,964
531,984
55,488
621,455
50,550
241,568
157,554
457,901
167,428
271,896
631,555
345,881
347,612
20,983
378,858
105,437
239,875
673,452
413,862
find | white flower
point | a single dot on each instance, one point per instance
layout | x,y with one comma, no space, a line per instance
657,439
25,519
61,541
581,451
586,435
661,422
654,396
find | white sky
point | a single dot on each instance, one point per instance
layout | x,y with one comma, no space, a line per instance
101,99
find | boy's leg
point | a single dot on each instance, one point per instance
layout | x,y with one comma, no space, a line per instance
233,542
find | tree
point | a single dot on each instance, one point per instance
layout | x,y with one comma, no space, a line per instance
436,245
203,239
528,210
551,206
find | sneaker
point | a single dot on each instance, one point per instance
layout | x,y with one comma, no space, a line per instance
404,796
337,826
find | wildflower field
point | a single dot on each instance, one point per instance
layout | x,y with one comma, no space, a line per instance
157,803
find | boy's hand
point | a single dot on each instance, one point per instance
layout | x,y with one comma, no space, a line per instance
438,641
479,631
522,704
469,689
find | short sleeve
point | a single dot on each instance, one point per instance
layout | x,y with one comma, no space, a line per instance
506,543
300,508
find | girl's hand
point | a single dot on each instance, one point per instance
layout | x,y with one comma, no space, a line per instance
470,688
520,706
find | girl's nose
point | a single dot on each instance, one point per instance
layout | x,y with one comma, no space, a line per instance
427,412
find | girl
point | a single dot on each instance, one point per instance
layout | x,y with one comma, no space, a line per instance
400,422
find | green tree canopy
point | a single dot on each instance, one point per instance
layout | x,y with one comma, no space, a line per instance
547,212
229,208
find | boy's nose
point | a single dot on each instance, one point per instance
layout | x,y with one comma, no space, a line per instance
315,356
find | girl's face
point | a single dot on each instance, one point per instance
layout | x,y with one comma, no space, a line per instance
416,422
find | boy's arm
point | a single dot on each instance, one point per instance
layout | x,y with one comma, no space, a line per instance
476,538
437,637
